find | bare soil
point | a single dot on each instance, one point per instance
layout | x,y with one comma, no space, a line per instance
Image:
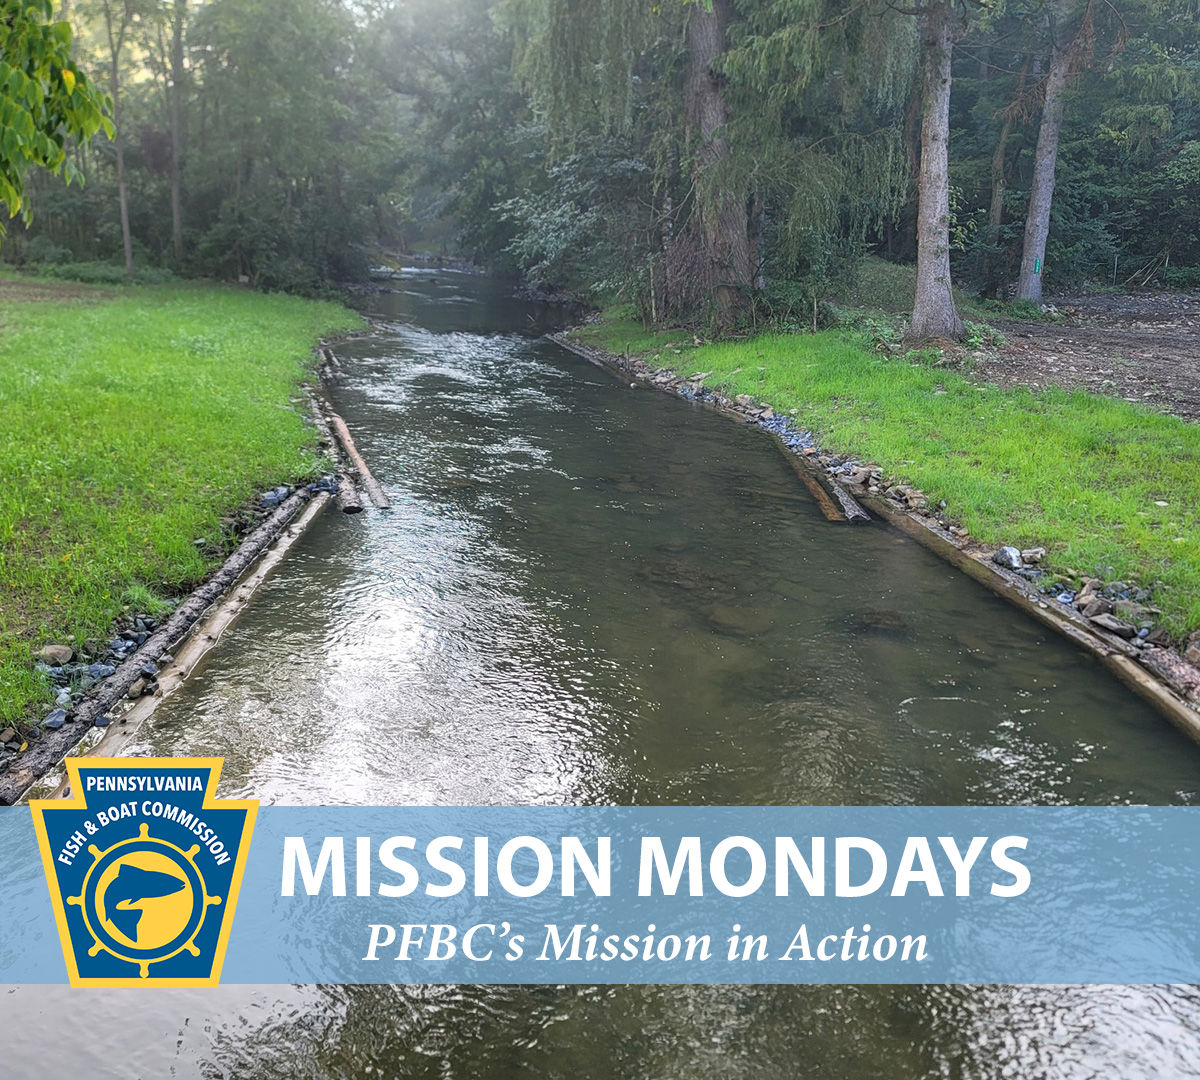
29,291
1141,346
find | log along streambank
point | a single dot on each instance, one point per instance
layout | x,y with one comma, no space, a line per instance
587,593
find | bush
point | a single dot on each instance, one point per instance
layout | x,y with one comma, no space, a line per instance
98,273
41,249
1182,277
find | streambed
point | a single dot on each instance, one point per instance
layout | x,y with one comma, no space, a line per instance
587,593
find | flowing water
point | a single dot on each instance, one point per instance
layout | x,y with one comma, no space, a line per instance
587,593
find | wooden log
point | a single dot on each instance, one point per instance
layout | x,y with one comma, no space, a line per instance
855,514
348,501
375,492
819,494
123,732
52,746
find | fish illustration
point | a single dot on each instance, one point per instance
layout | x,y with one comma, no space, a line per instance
132,886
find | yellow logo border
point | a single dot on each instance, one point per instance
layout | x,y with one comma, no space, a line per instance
78,802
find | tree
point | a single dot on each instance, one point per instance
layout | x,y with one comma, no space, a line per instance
579,62
725,248
44,99
934,312
118,18
1064,54
175,115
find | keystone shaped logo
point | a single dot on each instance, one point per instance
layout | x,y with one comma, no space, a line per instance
144,867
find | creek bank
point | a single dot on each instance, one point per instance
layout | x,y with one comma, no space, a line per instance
96,682
1109,619
133,662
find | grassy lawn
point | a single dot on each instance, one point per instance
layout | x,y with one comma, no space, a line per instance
133,419
1109,488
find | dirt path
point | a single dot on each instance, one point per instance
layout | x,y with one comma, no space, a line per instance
1143,347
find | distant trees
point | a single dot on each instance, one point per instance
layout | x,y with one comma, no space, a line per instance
717,162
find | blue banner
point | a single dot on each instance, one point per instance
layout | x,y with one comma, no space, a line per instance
609,894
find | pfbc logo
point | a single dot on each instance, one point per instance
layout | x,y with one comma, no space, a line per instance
144,868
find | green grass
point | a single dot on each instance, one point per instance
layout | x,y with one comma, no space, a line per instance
133,419
1079,474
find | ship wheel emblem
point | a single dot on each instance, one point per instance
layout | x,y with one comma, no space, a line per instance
144,900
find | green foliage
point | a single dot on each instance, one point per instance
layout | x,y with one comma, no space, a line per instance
1182,277
98,273
172,403
44,99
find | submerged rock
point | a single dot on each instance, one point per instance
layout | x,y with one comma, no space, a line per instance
881,621
739,620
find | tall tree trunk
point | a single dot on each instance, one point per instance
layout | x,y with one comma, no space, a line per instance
999,158
122,190
934,314
1041,193
724,230
116,39
1000,178
176,120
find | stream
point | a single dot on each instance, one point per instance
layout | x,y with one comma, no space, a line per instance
589,593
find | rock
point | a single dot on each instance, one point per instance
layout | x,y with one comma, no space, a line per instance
101,671
149,670
860,474
1033,556
1009,558
1158,636
1090,588
103,721
1114,625
55,655
63,697
8,735
1098,605
739,620
55,720
1131,610
881,620
12,745
1192,655
136,689
910,497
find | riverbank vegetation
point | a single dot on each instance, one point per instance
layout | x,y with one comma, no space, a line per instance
1110,489
136,419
